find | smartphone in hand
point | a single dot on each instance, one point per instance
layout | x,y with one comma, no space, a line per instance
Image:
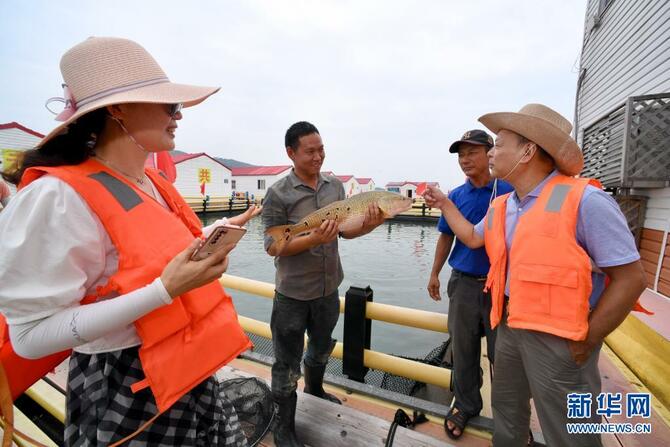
221,236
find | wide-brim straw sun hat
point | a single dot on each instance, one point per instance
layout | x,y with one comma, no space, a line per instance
545,127
103,71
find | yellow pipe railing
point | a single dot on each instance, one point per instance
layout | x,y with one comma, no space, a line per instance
372,359
403,316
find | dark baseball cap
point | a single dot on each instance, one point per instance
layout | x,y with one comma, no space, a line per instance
474,136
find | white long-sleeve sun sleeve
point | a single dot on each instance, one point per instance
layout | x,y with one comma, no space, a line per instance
53,252
74,326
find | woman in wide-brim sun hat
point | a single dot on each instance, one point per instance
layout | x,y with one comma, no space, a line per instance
96,257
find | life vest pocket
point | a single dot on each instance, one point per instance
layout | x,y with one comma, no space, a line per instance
547,289
162,322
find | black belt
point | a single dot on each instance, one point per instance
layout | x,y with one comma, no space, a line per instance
476,277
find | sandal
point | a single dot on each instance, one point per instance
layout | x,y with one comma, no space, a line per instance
459,419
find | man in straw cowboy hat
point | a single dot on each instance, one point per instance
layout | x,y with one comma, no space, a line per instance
96,264
548,302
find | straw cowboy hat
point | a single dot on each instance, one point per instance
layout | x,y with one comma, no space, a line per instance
103,71
545,127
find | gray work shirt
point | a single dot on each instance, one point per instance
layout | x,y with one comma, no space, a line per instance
316,272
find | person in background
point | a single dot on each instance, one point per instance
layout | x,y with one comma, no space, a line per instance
548,302
469,305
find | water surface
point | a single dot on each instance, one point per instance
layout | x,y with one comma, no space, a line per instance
394,260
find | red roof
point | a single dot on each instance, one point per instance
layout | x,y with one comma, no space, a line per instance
363,180
15,125
410,183
183,157
344,178
260,170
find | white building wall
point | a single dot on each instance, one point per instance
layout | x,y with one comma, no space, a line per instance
657,216
408,190
188,183
369,186
249,183
15,140
350,187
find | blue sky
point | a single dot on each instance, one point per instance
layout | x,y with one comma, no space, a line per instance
389,84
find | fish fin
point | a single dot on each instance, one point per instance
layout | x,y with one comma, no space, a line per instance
280,234
384,213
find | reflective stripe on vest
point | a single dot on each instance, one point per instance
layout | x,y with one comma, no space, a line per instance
123,193
489,217
557,198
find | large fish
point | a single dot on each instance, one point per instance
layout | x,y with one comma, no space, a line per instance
349,214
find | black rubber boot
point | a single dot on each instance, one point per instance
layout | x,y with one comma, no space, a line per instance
314,383
284,430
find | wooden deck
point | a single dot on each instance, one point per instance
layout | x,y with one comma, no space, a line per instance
364,420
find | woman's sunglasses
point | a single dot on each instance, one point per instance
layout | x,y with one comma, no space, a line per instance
174,109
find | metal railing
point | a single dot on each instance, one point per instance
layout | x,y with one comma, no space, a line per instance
224,204
420,209
420,319
219,204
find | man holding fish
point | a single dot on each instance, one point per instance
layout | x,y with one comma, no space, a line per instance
303,214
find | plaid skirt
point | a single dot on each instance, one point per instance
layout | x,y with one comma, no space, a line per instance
101,408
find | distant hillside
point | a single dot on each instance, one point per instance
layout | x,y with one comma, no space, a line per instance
229,162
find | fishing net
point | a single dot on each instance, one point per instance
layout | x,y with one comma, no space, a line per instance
253,403
439,356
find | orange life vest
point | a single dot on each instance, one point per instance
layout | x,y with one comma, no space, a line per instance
182,343
550,274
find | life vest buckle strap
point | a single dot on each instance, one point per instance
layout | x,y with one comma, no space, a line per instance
140,385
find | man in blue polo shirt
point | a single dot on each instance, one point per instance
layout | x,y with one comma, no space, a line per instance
469,306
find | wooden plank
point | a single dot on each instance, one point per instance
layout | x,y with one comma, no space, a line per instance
649,267
652,246
651,278
320,423
653,235
664,288
648,255
616,378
